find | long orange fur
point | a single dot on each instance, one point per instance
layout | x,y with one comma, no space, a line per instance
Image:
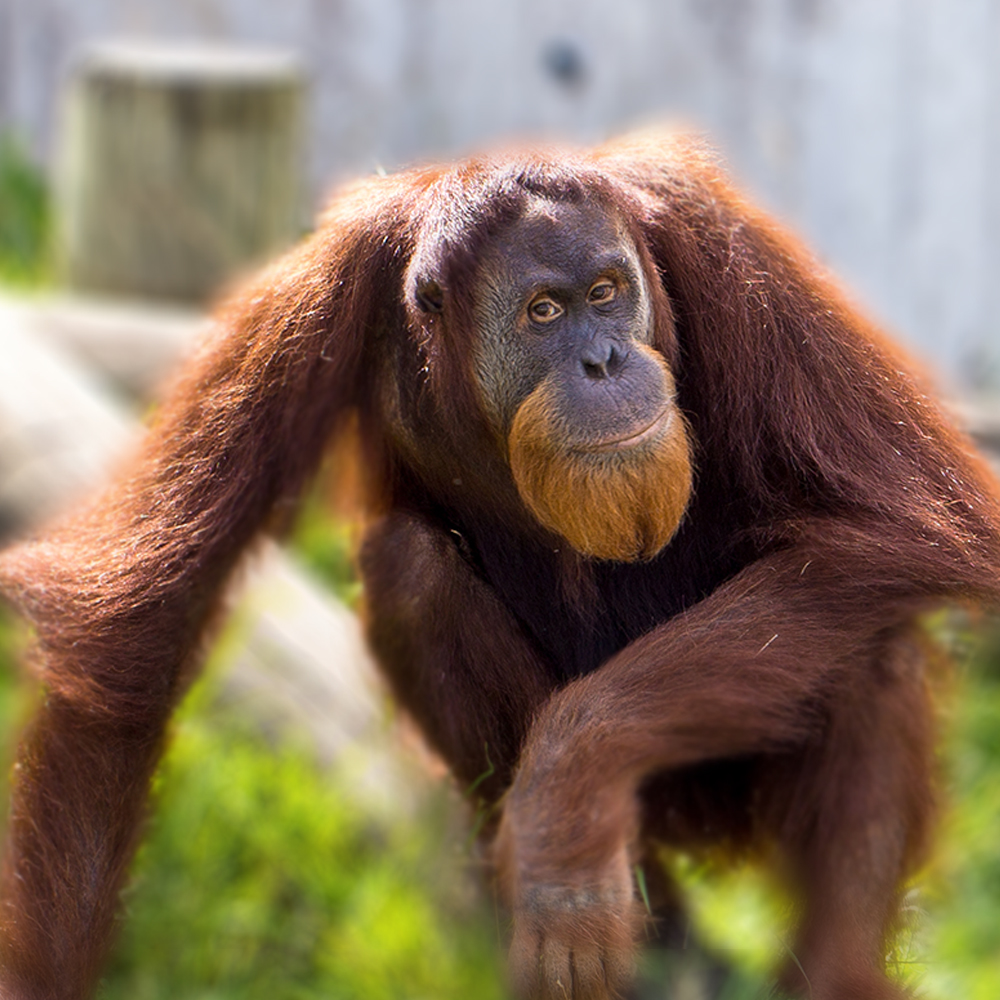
759,680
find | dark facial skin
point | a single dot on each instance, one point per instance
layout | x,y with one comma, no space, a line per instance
562,296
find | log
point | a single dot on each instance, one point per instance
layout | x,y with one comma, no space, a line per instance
179,167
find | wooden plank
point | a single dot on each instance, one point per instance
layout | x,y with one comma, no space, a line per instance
180,167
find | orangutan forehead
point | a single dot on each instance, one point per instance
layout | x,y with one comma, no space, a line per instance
560,241
556,232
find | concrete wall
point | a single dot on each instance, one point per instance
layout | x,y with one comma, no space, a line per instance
873,126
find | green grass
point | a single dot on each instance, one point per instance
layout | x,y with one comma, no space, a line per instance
25,218
961,936
949,945
262,877
324,545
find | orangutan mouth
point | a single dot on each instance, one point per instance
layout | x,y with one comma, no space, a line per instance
655,429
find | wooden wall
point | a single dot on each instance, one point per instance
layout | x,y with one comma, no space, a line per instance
872,125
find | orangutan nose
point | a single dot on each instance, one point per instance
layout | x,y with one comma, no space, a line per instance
601,359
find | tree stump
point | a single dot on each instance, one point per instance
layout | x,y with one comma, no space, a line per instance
180,166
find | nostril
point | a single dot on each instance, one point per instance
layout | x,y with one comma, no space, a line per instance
602,360
615,360
597,359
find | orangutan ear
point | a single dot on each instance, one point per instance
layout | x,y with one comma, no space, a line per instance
428,295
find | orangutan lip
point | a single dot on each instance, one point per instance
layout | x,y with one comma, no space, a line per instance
651,430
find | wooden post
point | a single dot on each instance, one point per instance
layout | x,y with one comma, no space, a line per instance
179,167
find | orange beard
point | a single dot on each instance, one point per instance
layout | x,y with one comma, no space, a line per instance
608,504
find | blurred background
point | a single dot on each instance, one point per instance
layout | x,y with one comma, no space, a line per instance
151,151
873,127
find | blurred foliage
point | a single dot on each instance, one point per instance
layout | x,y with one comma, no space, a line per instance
949,942
12,691
260,877
325,546
961,941
25,212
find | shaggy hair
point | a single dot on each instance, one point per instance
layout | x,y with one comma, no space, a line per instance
756,675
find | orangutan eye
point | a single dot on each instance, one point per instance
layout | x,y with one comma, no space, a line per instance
544,310
602,292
